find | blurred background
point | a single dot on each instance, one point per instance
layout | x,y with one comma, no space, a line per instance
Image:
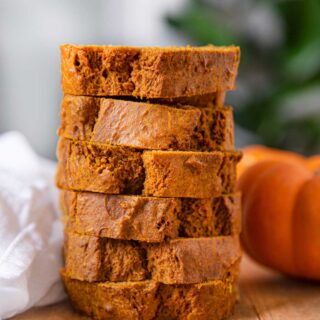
278,98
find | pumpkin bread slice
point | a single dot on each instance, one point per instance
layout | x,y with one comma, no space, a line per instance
149,219
123,170
149,300
148,72
183,260
145,125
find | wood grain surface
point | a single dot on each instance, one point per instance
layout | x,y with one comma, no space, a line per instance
264,295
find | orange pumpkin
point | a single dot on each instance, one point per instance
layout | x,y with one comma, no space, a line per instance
281,213
313,163
255,153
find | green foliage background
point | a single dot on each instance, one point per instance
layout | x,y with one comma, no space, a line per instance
284,110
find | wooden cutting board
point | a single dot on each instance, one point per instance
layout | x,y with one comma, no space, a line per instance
264,295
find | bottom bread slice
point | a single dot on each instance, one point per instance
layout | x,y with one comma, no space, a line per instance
148,300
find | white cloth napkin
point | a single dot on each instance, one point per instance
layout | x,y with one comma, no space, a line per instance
30,230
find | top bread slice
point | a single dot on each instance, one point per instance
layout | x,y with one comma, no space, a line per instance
148,72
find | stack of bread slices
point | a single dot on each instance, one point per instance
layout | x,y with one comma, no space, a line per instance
147,172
